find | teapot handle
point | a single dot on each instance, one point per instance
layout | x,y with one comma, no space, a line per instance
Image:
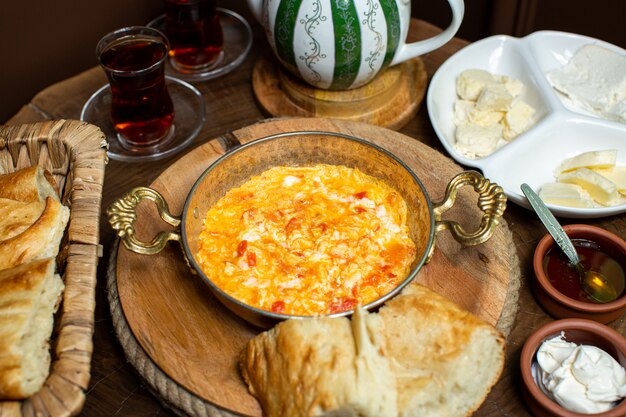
407,51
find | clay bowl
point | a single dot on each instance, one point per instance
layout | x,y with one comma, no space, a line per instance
309,148
578,331
558,304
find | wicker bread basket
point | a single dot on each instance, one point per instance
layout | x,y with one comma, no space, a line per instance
75,153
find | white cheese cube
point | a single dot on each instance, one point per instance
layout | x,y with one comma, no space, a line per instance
494,97
517,120
470,83
485,118
515,87
477,141
462,109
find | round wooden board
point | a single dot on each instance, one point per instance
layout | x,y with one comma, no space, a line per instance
196,341
390,100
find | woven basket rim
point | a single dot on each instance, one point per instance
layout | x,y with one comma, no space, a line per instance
75,153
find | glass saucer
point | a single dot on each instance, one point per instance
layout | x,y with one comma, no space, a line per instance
189,115
237,44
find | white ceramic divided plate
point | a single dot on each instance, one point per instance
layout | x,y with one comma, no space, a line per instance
558,130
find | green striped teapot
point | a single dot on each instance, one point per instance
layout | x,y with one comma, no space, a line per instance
343,44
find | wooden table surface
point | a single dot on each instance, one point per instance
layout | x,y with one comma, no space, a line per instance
116,388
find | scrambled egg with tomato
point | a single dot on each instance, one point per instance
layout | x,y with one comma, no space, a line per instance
307,240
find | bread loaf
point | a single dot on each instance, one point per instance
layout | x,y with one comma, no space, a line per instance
421,355
38,240
320,367
17,216
28,184
445,360
29,296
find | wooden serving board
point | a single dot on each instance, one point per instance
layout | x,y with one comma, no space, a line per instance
196,341
390,100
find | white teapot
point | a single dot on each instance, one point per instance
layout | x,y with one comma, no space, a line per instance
343,44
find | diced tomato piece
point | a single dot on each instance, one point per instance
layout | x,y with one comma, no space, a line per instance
278,306
343,304
323,226
292,224
359,209
361,195
241,248
251,257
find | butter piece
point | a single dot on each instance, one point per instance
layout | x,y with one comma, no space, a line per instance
570,195
592,160
470,83
517,120
494,97
601,189
477,141
617,175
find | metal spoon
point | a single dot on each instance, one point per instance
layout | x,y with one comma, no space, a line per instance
594,283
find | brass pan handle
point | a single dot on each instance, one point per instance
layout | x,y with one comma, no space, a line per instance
491,201
123,214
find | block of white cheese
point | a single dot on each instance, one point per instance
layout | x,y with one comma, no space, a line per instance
594,80
515,87
485,117
494,97
477,141
592,160
462,108
466,111
489,103
470,83
600,188
570,195
517,120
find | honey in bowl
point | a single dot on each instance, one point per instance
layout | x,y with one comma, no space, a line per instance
564,277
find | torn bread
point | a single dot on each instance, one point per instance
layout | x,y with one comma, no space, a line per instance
28,184
445,360
425,356
29,296
39,240
17,216
320,367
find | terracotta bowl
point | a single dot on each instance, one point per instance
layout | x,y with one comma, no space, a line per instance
558,304
578,331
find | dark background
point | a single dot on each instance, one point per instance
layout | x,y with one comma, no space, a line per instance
43,42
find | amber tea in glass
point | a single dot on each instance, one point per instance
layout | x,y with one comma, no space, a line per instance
195,34
141,107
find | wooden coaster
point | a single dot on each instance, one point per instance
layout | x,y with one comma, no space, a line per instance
195,342
390,100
